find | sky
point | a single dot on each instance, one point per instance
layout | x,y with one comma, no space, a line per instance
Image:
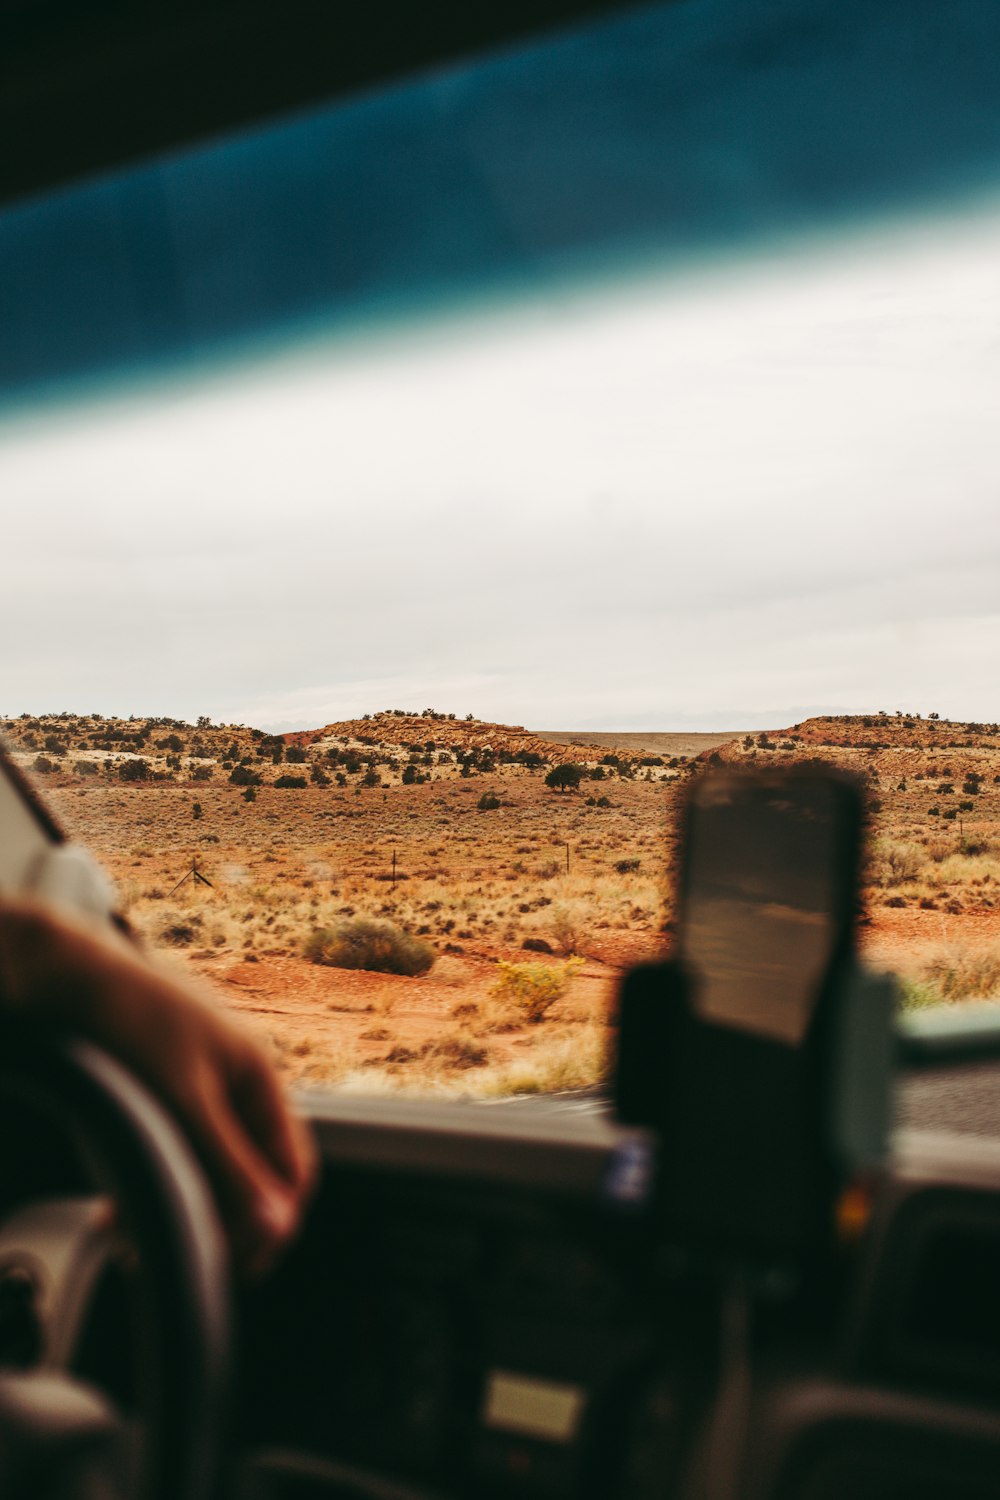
719,501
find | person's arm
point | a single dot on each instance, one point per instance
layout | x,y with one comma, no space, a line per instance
215,1078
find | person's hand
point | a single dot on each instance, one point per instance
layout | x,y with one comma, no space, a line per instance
214,1077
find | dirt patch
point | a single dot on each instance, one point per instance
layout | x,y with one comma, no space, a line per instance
436,825
642,742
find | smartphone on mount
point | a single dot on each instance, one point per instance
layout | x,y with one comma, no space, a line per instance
761,1053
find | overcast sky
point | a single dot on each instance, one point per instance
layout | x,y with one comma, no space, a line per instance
724,502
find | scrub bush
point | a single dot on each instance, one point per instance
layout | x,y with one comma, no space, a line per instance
134,770
243,776
369,943
534,987
566,776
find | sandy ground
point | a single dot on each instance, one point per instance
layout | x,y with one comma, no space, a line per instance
587,874
644,742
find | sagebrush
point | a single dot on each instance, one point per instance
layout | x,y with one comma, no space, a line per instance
369,943
534,988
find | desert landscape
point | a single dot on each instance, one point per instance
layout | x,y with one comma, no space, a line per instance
485,884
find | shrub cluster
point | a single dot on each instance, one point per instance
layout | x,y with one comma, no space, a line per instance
534,987
369,943
564,777
243,776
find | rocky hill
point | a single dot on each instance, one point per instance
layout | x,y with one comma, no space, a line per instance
379,749
916,768
432,732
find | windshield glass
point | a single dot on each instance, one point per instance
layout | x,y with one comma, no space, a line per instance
405,501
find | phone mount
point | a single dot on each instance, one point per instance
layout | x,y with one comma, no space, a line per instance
761,1054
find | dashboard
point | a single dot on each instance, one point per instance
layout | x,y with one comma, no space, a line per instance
482,1304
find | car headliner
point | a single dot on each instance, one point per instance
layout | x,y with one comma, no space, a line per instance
653,134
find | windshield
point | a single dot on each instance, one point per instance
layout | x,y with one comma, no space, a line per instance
408,499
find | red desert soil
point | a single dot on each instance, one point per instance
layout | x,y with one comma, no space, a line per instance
487,859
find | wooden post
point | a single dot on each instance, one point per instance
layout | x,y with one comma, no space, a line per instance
394,869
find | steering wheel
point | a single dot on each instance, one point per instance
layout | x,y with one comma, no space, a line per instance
61,1438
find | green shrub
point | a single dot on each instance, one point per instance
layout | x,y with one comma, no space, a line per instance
369,943
243,776
488,802
628,866
134,770
534,987
565,777
291,781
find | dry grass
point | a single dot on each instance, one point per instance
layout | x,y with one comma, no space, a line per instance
476,886
570,1061
952,974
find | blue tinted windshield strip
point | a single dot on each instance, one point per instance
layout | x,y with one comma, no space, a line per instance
705,125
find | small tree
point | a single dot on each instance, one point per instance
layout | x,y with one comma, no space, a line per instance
134,770
243,776
565,777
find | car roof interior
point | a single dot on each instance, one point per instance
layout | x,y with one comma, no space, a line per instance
88,88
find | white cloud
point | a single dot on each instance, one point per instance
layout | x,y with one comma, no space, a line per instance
647,506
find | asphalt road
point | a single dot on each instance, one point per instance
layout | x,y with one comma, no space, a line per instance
964,1099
